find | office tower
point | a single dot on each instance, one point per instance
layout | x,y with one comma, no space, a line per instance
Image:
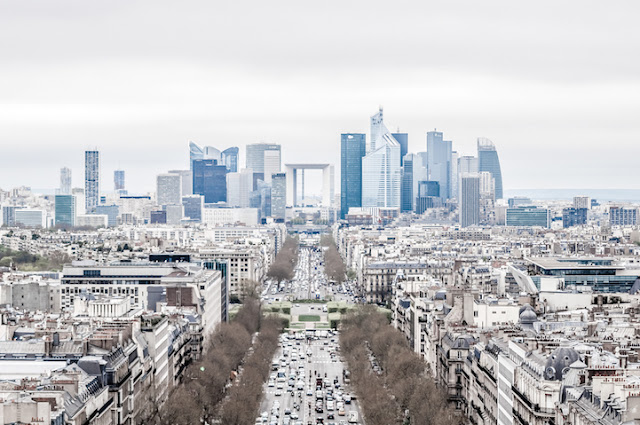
169,189
488,161
353,148
279,196
403,139
453,178
530,216
256,159
65,181
439,162
118,180
111,211
239,188
272,164
518,201
381,172
210,180
582,202
193,206
9,215
207,152
81,203
427,196
158,217
407,183
469,200
261,198
467,164
174,214
487,185
65,210
91,180
623,216
28,217
187,180
230,159
574,217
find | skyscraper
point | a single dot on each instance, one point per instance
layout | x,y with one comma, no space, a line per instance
230,159
65,181
65,210
118,180
407,183
169,189
279,196
210,180
239,188
453,178
263,163
439,162
488,161
469,200
193,206
353,148
187,180
91,180
381,172
207,152
403,139
427,196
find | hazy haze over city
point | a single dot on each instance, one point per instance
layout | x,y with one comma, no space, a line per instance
555,85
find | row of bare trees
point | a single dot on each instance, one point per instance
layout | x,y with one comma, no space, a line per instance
286,260
205,382
243,403
333,264
404,391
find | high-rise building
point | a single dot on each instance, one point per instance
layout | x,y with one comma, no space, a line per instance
427,196
623,216
193,206
487,185
582,202
488,161
187,180
381,172
279,196
353,148
469,200
239,188
230,159
65,210
91,180
29,217
439,162
9,215
207,152
65,181
467,164
256,159
272,164
519,201
407,183
118,180
530,216
210,180
453,178
574,217
403,139
169,189
111,211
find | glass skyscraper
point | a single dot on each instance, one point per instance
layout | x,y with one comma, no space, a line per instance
278,196
230,159
65,181
91,180
207,152
210,180
488,161
118,180
528,216
407,183
403,139
193,206
439,162
353,147
469,200
65,210
264,159
381,172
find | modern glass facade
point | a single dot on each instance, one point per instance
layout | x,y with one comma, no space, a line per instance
382,175
353,147
469,200
488,161
574,217
256,157
230,159
65,210
403,139
407,183
193,205
111,211
65,181
207,152
91,180
528,216
623,216
210,180
439,162
118,180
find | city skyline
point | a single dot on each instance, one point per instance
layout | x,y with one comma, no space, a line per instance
539,90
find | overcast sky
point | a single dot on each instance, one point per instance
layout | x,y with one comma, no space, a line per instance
554,84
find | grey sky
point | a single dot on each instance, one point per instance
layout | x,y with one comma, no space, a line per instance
555,85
